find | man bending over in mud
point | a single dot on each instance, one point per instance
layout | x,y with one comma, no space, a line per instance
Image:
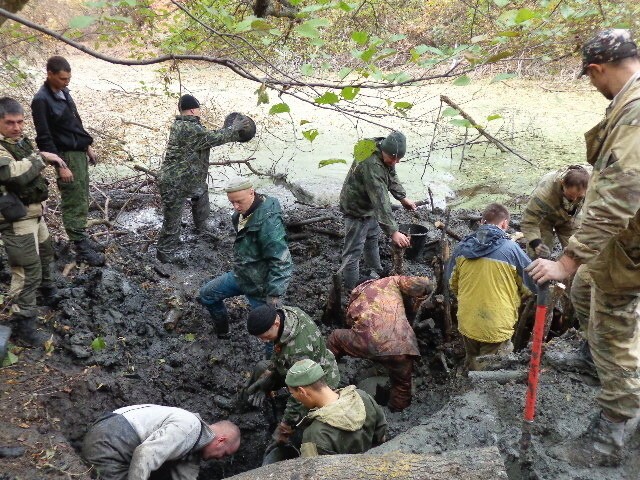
143,442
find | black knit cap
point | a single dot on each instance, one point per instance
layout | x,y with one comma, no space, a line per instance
187,102
261,319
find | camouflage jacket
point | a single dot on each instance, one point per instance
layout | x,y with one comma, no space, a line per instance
364,192
18,173
613,196
548,208
376,312
261,259
186,159
301,339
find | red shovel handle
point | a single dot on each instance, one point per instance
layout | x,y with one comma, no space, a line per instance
536,353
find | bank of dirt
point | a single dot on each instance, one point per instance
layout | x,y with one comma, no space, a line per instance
50,398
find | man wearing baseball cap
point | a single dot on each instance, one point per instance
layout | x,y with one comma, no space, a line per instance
607,245
343,421
183,173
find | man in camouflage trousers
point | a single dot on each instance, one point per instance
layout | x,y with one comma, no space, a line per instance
295,337
183,173
364,200
60,131
24,232
608,244
380,330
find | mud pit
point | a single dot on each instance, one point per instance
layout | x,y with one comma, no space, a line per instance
48,400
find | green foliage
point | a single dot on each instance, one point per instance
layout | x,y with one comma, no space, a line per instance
462,81
329,98
81,22
461,122
310,134
349,93
98,344
330,161
450,112
279,108
189,337
10,359
502,77
363,149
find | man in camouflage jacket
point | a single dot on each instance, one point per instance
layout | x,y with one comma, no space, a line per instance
380,330
183,173
24,232
295,337
607,244
364,200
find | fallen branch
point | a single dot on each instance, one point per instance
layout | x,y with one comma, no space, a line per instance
498,143
440,226
128,122
308,221
140,168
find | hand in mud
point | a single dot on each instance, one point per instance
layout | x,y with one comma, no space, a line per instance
257,399
542,251
282,433
408,204
275,302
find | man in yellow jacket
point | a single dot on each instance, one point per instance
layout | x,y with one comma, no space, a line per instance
486,273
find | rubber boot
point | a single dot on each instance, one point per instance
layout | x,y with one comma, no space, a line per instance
96,246
49,296
85,254
5,333
220,323
26,330
600,445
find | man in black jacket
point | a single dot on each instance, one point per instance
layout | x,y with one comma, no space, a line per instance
59,130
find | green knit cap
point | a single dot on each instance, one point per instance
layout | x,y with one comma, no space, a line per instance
395,144
303,373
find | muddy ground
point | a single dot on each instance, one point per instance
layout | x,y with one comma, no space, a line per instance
50,398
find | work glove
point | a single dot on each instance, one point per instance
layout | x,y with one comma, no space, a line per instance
282,433
254,393
241,123
257,399
275,302
542,251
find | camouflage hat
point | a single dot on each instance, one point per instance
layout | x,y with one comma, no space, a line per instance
395,144
608,46
303,373
237,184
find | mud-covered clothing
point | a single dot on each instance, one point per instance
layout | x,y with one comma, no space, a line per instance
549,213
262,262
474,349
26,240
365,192
58,124
361,237
301,339
486,273
133,442
59,130
183,174
607,243
352,424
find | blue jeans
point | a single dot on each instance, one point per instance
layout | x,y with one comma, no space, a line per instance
213,293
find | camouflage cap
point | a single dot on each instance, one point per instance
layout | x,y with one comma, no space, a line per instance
303,373
608,46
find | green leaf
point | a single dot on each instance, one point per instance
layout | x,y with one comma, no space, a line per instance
368,54
307,69
495,116
462,81
498,56
361,38
402,105
363,149
310,134
396,38
307,30
420,49
82,21
279,108
304,122
345,7
502,76
501,3
349,93
330,161
328,98
131,3
98,344
11,358
508,33
189,337
344,72
260,25
525,14
450,112
245,25
461,122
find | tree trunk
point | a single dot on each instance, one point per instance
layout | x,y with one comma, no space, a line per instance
14,6
471,464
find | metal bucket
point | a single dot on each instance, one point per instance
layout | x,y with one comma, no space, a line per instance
419,235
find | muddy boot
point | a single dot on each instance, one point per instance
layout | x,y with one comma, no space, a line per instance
96,246
49,296
5,333
171,258
26,330
85,254
574,359
220,324
600,445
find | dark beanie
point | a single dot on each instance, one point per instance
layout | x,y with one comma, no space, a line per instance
261,319
395,144
187,102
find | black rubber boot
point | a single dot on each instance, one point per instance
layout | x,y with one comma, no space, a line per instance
49,296
86,254
26,330
220,324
